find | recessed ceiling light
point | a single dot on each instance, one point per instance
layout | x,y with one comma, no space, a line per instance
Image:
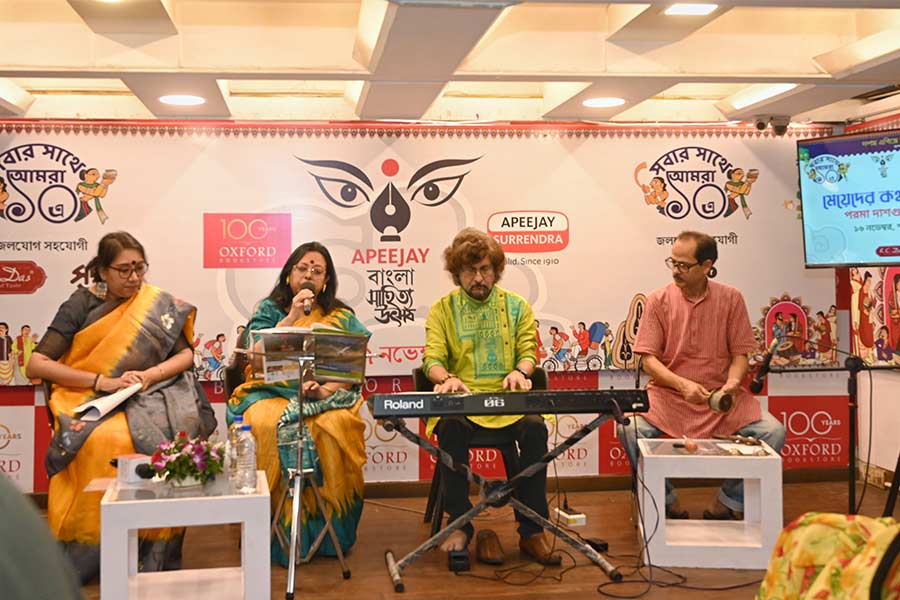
684,9
603,102
182,100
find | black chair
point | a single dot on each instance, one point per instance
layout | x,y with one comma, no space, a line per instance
434,510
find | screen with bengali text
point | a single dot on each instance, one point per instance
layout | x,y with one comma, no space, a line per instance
850,197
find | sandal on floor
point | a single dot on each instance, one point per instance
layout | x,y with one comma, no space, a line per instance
727,515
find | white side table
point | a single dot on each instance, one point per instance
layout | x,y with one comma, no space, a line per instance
125,508
746,544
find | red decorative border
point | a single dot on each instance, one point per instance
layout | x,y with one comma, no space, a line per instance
349,129
882,124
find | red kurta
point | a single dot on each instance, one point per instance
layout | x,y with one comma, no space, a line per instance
696,340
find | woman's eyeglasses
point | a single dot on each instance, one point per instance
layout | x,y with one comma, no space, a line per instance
315,270
125,272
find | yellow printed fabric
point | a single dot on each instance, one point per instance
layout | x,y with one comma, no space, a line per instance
336,452
480,342
826,556
72,513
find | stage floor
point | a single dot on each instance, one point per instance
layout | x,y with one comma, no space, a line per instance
397,524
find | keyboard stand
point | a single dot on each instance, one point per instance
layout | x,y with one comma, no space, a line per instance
495,494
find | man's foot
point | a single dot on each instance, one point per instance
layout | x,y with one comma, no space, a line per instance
675,511
458,540
487,548
538,548
720,512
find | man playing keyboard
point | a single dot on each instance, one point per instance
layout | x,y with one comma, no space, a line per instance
481,338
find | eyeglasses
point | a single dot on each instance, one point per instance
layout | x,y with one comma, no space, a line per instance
125,272
485,271
681,267
315,270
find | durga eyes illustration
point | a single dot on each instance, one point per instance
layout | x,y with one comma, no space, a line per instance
347,186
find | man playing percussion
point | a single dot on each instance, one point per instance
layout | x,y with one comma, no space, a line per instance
694,338
481,338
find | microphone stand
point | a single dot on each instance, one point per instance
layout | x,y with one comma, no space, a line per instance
853,364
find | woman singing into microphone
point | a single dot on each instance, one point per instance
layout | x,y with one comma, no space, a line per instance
306,294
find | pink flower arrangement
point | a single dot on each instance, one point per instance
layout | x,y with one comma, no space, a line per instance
188,457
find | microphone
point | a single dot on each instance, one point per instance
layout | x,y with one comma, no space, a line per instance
637,372
133,467
757,383
307,303
144,471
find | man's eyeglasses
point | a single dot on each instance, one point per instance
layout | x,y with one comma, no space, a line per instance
125,272
315,270
681,267
485,271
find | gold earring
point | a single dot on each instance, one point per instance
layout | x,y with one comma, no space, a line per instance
324,287
287,280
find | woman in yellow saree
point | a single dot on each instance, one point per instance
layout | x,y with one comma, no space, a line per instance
305,294
119,332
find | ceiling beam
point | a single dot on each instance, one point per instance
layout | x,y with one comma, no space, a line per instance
14,101
652,25
412,49
127,16
632,90
148,87
801,99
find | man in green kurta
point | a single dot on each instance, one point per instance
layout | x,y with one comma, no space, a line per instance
481,338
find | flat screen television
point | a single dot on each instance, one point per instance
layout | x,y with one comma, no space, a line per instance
850,197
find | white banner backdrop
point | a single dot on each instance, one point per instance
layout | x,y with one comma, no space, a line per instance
587,215
588,218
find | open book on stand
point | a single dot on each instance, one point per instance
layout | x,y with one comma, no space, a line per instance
338,355
101,406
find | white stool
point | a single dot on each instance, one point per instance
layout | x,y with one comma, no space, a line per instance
746,544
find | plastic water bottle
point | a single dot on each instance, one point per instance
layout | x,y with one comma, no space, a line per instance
231,444
246,462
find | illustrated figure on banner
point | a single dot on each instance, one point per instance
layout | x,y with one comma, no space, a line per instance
738,189
893,312
4,196
883,350
825,344
802,338
560,345
779,328
865,331
25,343
655,193
92,189
7,355
541,350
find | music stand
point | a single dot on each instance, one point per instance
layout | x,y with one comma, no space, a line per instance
321,355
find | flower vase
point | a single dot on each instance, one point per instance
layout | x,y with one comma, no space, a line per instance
188,482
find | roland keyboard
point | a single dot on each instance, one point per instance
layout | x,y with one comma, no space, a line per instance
430,404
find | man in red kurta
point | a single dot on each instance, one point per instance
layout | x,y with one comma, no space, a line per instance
694,338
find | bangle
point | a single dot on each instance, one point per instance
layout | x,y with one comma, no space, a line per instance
96,381
448,376
524,374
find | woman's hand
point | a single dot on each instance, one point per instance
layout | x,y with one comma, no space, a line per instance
297,304
112,384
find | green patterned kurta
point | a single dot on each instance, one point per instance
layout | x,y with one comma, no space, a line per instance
480,342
